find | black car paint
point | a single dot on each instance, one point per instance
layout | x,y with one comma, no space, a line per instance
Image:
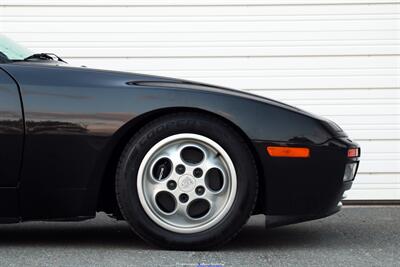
76,118
11,145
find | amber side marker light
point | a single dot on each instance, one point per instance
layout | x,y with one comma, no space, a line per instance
352,153
288,152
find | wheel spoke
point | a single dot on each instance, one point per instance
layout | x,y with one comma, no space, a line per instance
158,187
181,211
210,196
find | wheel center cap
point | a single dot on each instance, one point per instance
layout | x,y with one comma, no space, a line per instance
186,183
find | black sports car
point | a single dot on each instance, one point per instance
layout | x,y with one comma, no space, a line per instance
184,163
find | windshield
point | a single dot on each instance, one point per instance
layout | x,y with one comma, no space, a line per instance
11,50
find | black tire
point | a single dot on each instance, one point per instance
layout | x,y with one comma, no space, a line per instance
216,130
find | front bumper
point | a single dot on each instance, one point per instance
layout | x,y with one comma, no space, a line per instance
305,187
272,221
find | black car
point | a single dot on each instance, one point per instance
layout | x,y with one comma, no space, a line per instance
184,163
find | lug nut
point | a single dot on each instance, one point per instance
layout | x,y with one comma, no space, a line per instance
180,169
183,198
200,190
197,172
171,185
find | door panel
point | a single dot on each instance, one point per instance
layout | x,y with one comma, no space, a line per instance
11,131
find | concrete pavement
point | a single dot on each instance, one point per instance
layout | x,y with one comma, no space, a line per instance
357,236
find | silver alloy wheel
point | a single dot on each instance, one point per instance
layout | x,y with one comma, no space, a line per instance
198,195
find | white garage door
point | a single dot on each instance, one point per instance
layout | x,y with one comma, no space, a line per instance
337,58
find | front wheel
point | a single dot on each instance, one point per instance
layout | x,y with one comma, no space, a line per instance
186,181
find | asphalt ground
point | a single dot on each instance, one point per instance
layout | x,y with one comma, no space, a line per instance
357,236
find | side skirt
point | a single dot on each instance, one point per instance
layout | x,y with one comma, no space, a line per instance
9,210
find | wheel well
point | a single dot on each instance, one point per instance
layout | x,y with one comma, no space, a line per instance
107,199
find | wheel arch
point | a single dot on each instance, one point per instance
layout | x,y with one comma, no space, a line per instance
106,199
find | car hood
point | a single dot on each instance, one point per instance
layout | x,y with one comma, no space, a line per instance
57,72
166,82
146,80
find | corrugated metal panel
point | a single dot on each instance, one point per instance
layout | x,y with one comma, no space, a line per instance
337,58
183,2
